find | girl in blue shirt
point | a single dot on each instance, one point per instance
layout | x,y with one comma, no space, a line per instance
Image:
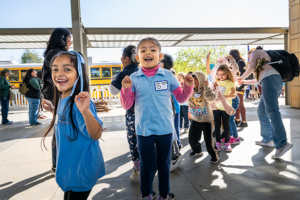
150,88
77,127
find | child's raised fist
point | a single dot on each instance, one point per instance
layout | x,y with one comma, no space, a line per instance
189,81
126,82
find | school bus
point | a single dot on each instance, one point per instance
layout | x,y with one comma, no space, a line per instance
100,73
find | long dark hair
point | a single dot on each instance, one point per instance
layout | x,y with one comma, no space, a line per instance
58,40
130,52
28,75
69,105
235,53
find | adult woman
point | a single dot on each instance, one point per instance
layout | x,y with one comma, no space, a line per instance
60,40
130,66
241,110
4,93
33,96
272,128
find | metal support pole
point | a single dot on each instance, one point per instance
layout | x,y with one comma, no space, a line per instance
76,25
84,46
287,88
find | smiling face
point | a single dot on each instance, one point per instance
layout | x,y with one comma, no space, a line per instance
149,55
222,75
64,75
196,83
33,73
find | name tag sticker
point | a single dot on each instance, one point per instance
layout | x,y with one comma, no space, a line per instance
161,85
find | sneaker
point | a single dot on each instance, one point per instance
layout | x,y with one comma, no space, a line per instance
175,162
135,174
193,154
52,171
228,147
218,144
234,140
149,197
171,196
237,122
214,160
242,124
280,152
8,123
261,143
39,123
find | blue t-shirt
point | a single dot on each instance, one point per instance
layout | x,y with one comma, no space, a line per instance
153,106
79,163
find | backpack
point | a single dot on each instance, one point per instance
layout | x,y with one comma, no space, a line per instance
23,88
288,68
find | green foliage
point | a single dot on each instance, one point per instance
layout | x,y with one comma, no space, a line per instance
30,57
194,59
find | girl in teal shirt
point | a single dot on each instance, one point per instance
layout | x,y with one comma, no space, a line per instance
79,162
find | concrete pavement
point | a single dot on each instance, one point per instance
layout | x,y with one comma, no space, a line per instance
246,173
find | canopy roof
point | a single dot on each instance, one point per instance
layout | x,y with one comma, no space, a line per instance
36,38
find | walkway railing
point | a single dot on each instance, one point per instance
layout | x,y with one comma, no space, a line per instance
96,94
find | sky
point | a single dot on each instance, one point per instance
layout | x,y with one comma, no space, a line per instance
137,13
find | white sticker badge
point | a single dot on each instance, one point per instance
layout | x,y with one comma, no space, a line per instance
161,85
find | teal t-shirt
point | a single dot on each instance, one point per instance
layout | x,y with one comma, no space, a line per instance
80,163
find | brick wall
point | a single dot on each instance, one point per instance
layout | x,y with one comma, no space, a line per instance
294,47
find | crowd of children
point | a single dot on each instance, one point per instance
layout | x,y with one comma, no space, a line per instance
158,103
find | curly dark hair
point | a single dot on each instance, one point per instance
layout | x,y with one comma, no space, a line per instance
58,40
168,61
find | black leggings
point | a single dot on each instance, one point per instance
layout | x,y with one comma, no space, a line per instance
218,115
70,195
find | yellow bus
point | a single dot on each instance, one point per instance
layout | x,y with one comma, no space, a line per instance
100,73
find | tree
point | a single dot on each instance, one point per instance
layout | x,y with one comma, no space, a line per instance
30,57
194,59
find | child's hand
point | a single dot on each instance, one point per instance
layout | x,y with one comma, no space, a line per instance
83,104
229,57
126,82
189,81
47,105
239,80
207,57
216,85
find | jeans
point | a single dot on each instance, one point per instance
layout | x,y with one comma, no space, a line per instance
218,115
176,124
163,145
33,110
4,108
184,115
233,129
271,125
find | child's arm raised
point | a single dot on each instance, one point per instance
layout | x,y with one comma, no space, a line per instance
93,127
127,95
207,64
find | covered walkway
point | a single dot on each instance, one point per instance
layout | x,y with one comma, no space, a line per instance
246,173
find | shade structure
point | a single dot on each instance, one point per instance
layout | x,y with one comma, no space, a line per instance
36,38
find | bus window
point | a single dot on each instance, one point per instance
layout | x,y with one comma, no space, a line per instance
115,70
14,76
23,74
95,72
106,72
